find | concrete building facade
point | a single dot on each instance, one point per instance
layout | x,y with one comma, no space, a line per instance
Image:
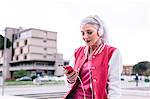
127,70
34,50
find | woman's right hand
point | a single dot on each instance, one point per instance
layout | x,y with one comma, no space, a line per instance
71,76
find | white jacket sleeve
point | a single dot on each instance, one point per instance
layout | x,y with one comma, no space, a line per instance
114,73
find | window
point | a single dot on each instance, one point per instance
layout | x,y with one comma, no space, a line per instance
19,35
25,57
51,63
16,57
66,63
25,42
21,50
44,41
14,36
17,44
44,56
60,65
45,49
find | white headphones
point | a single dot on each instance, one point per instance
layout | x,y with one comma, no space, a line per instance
100,26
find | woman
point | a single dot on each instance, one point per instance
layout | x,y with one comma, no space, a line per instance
97,66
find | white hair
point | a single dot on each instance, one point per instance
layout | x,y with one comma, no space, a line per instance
95,20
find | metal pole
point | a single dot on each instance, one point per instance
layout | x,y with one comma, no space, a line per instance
4,64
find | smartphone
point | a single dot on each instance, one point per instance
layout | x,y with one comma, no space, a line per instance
69,69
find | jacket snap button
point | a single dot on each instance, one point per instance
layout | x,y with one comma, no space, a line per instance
93,67
93,56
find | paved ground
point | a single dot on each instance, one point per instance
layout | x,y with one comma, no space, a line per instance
134,97
141,84
129,90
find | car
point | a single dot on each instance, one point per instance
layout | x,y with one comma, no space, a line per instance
47,78
43,78
57,78
24,78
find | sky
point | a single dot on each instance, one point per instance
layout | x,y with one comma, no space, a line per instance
127,22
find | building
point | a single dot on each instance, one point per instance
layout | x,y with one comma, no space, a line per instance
34,50
127,70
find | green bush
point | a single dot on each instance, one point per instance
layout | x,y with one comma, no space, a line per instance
20,73
146,80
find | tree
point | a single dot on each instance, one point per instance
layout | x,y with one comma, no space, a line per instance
2,43
141,67
20,73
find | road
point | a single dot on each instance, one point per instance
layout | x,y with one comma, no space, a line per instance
130,91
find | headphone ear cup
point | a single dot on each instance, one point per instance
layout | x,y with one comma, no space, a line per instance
101,32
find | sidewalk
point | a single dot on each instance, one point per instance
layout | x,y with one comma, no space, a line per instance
134,97
143,90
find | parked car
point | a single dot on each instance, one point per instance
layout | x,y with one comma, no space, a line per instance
57,78
24,78
41,79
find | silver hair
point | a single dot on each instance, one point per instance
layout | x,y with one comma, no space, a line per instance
95,20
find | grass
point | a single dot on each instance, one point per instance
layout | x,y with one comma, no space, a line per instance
131,81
